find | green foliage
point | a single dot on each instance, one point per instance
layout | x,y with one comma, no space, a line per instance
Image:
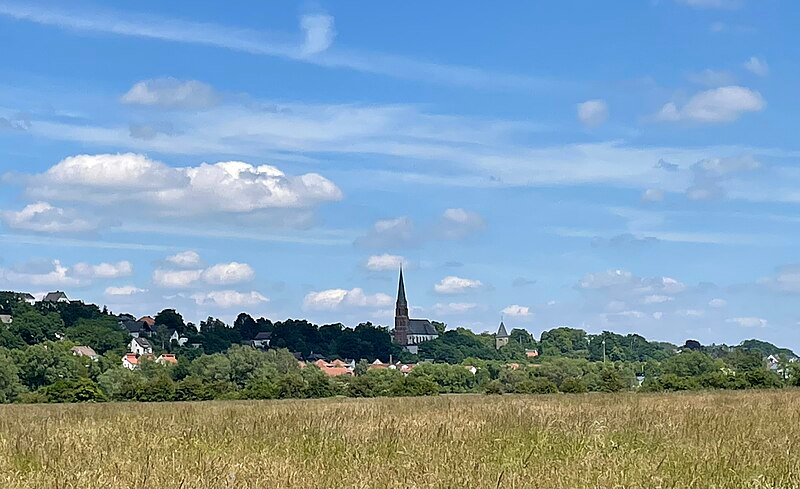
101,334
10,385
74,390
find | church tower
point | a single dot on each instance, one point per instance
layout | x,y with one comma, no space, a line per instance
501,338
401,314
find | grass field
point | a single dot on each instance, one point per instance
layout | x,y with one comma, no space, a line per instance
724,439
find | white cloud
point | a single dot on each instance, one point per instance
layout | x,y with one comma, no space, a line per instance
748,322
185,259
232,187
125,290
454,308
319,33
757,66
51,273
176,279
395,232
653,195
516,310
229,298
228,273
333,299
711,172
102,270
459,223
380,263
457,285
44,218
171,93
723,104
656,299
658,315
593,112
690,312
717,303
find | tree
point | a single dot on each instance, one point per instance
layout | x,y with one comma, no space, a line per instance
212,368
246,326
46,363
101,334
172,320
33,327
439,326
689,364
10,385
74,390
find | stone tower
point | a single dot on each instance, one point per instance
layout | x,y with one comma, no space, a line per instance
401,314
501,337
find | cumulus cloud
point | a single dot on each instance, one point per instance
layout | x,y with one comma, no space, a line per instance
171,93
757,66
125,290
229,298
786,279
228,273
623,282
176,279
40,273
653,195
232,187
593,112
396,232
459,223
185,259
748,322
723,104
717,303
457,285
103,270
333,299
42,217
319,33
709,174
516,310
381,263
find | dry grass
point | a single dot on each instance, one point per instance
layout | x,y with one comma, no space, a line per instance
725,439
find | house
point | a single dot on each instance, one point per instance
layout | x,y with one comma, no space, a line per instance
150,322
501,337
471,369
377,364
6,319
167,358
136,328
409,333
132,361
28,298
140,346
262,339
56,296
332,369
531,353
177,338
85,351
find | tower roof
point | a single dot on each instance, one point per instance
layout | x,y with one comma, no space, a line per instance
501,331
401,289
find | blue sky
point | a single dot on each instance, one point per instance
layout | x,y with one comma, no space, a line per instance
619,166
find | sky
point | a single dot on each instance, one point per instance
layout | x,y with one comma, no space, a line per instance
621,166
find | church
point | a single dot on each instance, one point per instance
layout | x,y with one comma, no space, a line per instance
409,333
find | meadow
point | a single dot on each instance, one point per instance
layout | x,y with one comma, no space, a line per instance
705,439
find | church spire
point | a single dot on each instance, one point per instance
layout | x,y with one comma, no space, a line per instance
401,290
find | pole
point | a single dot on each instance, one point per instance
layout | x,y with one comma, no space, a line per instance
604,350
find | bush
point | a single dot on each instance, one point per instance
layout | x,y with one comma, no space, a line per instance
537,385
74,390
494,387
574,385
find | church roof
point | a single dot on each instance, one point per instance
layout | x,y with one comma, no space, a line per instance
501,331
421,327
401,289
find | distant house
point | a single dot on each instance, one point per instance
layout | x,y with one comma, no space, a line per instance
531,353
150,322
333,370
28,298
377,364
262,339
130,361
167,358
6,319
56,296
140,346
177,338
85,351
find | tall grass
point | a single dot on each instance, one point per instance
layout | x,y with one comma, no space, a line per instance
720,439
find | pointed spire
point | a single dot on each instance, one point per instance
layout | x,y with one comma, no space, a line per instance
501,331
401,289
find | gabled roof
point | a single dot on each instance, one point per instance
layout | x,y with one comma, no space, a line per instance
84,351
421,327
26,296
148,321
264,335
167,358
133,326
143,342
54,296
501,331
131,358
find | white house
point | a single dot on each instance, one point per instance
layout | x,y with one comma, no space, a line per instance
6,319
28,298
130,361
140,346
85,351
56,296
262,340
174,336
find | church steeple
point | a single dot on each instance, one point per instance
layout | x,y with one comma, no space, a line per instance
401,291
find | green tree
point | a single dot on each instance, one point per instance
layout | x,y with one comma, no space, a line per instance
10,385
101,334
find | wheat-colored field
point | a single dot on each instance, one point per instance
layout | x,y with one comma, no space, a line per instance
721,439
